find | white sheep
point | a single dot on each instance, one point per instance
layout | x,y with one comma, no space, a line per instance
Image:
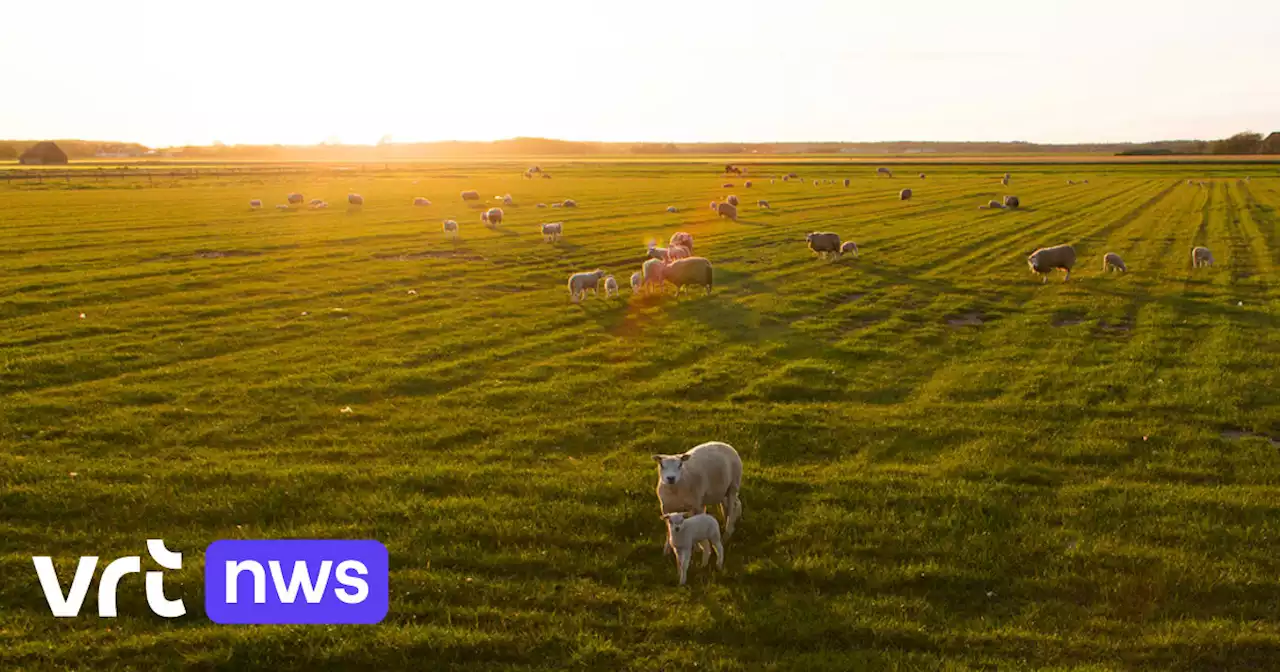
471,195
762,204
494,217
569,203
355,199
637,281
421,201
883,171
656,252
579,283
1046,259
671,208
701,530
688,271
715,206
1201,256
540,205
922,176
255,204
732,200
282,207
846,181
707,474
682,239
824,243
849,246
904,195
450,228
610,286
1112,262
555,205
551,231
295,199
652,270
727,210
316,201
677,252
507,200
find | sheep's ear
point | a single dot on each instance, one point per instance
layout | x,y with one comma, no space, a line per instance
657,458
684,458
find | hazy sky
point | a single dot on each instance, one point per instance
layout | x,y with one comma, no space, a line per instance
274,71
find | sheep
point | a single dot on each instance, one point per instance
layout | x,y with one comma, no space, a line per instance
1046,259
824,243
1004,181
555,205
255,204
652,271
1070,182
883,171
684,533
355,199
551,231
506,200
320,206
637,281
707,474
579,283
546,176
671,208
569,203
610,286
484,217
421,201
295,199
793,176
772,181
732,200
727,185
470,195
1086,182
682,239
904,195
1201,256
849,246
714,206
922,176
786,178
992,205
815,183
762,204
315,201
495,217
688,271
541,205
1011,202
676,252
727,210
656,252
282,207
1112,262
534,169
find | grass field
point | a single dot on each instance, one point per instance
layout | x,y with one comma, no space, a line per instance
947,463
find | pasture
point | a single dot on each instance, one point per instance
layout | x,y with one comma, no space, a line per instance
947,462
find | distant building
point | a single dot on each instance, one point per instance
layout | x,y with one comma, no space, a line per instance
43,154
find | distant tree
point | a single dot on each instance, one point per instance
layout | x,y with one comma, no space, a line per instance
8,152
1240,143
1271,145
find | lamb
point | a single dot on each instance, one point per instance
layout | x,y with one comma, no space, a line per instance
707,474
579,283
1112,262
495,217
295,199
762,204
684,533
656,252
541,205
255,204
849,246
470,195
1011,202
421,201
727,210
610,286
569,203
652,270
450,228
688,271
551,231
671,208
637,281
1046,259
732,200
316,201
904,195
746,185
1201,256
883,171
677,252
484,217
355,199
824,243
682,239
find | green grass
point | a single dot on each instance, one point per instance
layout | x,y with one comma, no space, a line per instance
1048,488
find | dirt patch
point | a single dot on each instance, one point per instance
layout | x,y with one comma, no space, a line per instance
220,254
1238,434
419,256
965,320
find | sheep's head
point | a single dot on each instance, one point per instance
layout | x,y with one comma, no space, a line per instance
674,520
670,467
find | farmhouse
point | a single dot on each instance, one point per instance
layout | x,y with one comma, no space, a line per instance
43,154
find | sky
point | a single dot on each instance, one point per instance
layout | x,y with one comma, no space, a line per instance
277,71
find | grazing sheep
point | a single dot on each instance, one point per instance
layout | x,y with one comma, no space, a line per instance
637,281
676,252
992,205
421,201
534,169
671,208
746,185
1004,181
569,203
484,217
495,217
771,181
1070,182
709,473
506,200
922,176
295,199
255,204
320,206
450,228
701,530
610,286
355,199
883,171
786,178
849,246
579,283
793,176
1086,182
1201,256
1011,202
652,270
656,252
714,206
551,231
732,200
682,239
282,207
727,210
315,201
555,205
1046,259
727,185
1112,262
470,195
546,176
688,271
904,195
815,183
824,243
541,205
762,204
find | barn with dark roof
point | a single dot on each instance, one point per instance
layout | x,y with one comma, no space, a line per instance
43,154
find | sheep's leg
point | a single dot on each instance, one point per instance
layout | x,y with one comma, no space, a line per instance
683,560
719,553
1068,277
734,513
705,546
